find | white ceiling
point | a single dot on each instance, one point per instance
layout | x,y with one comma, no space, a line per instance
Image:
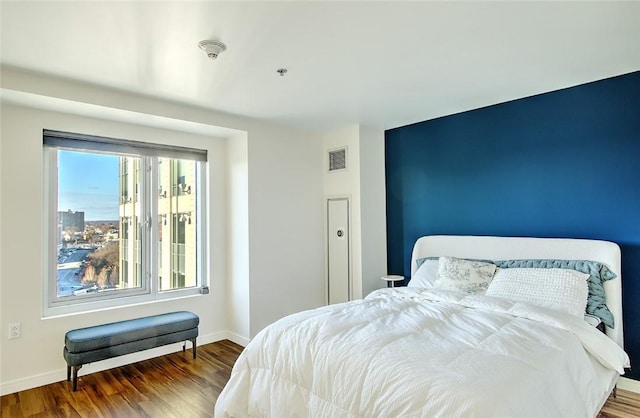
384,64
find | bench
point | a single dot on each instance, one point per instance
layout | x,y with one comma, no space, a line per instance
100,342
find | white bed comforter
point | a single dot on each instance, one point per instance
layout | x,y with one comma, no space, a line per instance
424,353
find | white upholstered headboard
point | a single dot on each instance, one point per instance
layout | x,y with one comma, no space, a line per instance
506,248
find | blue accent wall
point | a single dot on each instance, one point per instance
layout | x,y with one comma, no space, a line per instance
559,164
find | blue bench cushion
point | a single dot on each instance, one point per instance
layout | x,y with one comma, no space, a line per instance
123,332
78,359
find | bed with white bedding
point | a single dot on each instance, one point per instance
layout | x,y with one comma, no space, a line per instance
436,351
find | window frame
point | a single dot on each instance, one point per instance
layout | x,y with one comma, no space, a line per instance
150,290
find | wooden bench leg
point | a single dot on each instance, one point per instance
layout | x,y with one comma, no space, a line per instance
193,347
74,370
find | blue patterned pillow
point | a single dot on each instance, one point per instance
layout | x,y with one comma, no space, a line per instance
598,274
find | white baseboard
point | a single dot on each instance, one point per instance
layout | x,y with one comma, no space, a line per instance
243,341
58,375
631,385
31,382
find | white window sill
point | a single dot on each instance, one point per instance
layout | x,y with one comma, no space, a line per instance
81,308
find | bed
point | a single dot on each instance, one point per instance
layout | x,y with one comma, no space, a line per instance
436,351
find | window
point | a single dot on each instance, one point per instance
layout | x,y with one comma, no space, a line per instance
124,221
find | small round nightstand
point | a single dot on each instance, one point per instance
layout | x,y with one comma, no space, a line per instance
392,278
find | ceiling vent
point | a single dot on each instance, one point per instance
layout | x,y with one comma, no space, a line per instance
338,159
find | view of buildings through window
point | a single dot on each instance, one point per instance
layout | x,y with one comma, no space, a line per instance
105,232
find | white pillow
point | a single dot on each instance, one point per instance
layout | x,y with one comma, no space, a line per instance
564,290
426,274
472,277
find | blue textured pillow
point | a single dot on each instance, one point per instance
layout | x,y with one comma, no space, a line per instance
420,261
598,274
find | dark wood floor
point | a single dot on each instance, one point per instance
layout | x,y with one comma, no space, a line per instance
174,385
625,405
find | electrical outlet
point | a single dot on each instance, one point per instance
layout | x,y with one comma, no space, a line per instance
15,330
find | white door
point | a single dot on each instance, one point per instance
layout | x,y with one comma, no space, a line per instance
338,252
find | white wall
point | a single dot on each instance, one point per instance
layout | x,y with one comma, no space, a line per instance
267,192
285,221
363,183
238,289
346,183
2,322
374,210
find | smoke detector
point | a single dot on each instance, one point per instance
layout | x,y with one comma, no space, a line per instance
212,48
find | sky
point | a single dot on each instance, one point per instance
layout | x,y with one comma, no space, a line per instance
88,182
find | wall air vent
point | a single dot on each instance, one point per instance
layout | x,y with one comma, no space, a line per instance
338,159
